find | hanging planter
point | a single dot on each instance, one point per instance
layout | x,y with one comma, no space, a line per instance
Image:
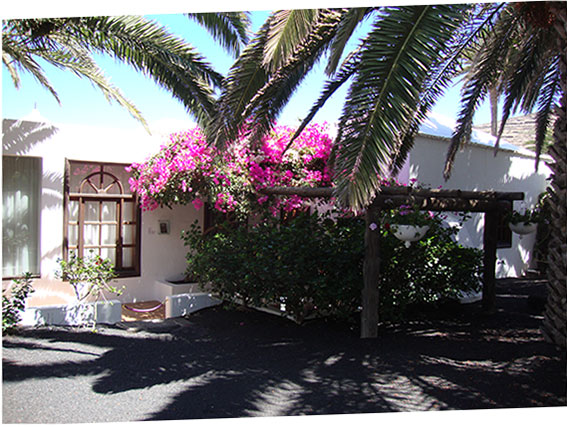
409,224
524,222
523,228
409,233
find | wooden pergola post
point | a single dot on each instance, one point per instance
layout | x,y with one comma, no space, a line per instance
371,273
490,202
490,240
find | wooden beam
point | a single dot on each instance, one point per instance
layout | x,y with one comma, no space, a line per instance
400,191
371,274
436,204
453,194
299,191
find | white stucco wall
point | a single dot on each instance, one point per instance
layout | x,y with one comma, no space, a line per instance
162,256
477,168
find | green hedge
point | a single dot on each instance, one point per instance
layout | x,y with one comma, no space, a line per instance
315,265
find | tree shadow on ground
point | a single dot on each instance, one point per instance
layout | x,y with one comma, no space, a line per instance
232,363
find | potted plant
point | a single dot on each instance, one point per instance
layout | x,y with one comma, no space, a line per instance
524,221
90,278
409,224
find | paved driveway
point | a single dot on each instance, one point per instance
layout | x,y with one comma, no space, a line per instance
229,363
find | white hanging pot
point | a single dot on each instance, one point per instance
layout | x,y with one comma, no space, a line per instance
522,228
409,233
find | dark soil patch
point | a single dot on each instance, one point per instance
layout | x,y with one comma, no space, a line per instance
221,363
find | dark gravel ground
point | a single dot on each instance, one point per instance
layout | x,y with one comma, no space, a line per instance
221,363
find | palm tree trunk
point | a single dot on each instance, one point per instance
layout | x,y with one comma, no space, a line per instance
554,325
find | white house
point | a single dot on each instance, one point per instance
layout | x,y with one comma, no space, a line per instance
40,217
52,203
478,167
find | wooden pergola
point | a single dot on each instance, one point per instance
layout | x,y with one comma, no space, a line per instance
492,203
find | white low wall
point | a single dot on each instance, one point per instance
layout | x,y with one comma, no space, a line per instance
164,289
110,312
102,312
183,304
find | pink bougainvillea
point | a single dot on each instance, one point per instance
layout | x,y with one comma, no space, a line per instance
187,170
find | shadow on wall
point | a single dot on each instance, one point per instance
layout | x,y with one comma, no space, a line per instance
51,190
20,136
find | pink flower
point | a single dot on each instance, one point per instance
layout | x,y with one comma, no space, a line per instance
197,203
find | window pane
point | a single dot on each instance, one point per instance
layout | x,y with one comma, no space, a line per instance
78,172
73,210
129,214
111,183
91,185
119,171
91,235
92,211
73,235
109,253
21,190
109,211
128,257
128,234
108,234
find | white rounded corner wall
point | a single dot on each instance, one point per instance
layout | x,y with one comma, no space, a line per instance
162,251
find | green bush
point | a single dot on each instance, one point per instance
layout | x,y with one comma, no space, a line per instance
14,304
432,269
314,264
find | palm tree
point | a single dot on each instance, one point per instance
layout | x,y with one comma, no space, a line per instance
396,74
530,40
68,43
555,318
403,54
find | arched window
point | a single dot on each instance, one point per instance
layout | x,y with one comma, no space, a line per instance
102,215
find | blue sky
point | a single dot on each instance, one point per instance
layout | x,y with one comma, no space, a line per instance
83,104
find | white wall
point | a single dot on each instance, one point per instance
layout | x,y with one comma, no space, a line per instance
162,256
477,168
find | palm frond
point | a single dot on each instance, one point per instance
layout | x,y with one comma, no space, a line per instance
444,69
17,57
347,25
265,106
146,46
230,29
347,70
245,78
398,53
484,73
8,63
150,49
524,83
546,104
79,62
288,29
